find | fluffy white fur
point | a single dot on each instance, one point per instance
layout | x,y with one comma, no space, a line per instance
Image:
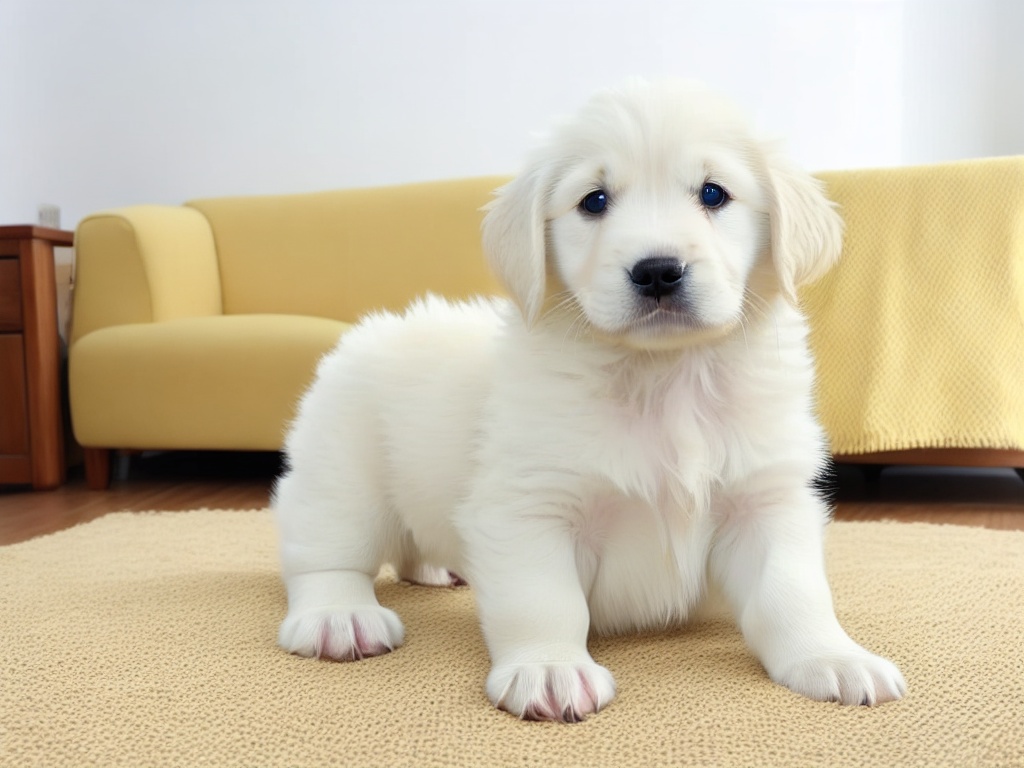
590,456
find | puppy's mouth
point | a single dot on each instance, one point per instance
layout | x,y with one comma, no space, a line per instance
665,318
668,325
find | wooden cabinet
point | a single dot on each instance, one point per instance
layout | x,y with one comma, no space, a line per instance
31,420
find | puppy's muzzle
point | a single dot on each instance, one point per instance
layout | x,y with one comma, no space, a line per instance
657,276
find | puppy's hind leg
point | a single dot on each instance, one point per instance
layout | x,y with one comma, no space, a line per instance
426,575
333,542
415,570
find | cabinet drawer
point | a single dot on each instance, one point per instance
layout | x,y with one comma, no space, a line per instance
10,295
13,400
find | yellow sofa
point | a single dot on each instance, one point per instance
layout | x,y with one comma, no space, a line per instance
199,326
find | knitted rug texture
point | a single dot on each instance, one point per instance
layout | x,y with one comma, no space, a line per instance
149,639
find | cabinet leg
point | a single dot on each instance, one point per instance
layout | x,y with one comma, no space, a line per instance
97,468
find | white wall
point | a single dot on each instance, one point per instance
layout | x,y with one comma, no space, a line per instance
114,102
949,79
1007,125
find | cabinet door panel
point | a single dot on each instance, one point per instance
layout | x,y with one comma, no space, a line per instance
10,295
13,402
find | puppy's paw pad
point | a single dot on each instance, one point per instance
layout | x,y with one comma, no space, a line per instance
561,691
342,635
848,677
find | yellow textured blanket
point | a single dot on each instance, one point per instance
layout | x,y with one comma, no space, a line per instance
919,332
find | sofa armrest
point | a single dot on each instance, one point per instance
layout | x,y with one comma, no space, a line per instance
143,264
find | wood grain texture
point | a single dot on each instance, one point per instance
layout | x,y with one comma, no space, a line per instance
30,231
97,468
42,363
28,288
13,399
10,295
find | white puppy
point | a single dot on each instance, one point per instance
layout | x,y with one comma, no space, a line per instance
635,431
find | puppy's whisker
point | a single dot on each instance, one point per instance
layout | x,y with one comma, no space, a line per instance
577,328
569,303
578,318
754,303
758,309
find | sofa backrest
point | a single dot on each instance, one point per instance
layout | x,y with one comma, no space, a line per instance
340,254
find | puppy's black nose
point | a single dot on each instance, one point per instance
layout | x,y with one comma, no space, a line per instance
657,276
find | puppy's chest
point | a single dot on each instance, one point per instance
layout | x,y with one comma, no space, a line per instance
644,532
641,565
669,444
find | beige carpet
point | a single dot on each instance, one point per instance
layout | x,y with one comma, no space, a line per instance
149,640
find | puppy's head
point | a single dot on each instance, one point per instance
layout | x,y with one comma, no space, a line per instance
659,218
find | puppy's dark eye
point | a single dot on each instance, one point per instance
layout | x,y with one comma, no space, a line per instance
713,196
594,203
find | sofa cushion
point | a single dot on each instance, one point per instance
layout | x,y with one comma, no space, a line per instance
341,254
225,382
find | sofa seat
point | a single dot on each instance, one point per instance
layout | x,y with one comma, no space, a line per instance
238,387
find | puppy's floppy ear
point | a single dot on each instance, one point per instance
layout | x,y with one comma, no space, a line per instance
514,240
806,230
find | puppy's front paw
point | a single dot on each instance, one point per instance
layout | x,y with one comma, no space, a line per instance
342,635
847,676
562,691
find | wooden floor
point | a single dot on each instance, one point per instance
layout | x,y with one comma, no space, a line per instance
179,481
